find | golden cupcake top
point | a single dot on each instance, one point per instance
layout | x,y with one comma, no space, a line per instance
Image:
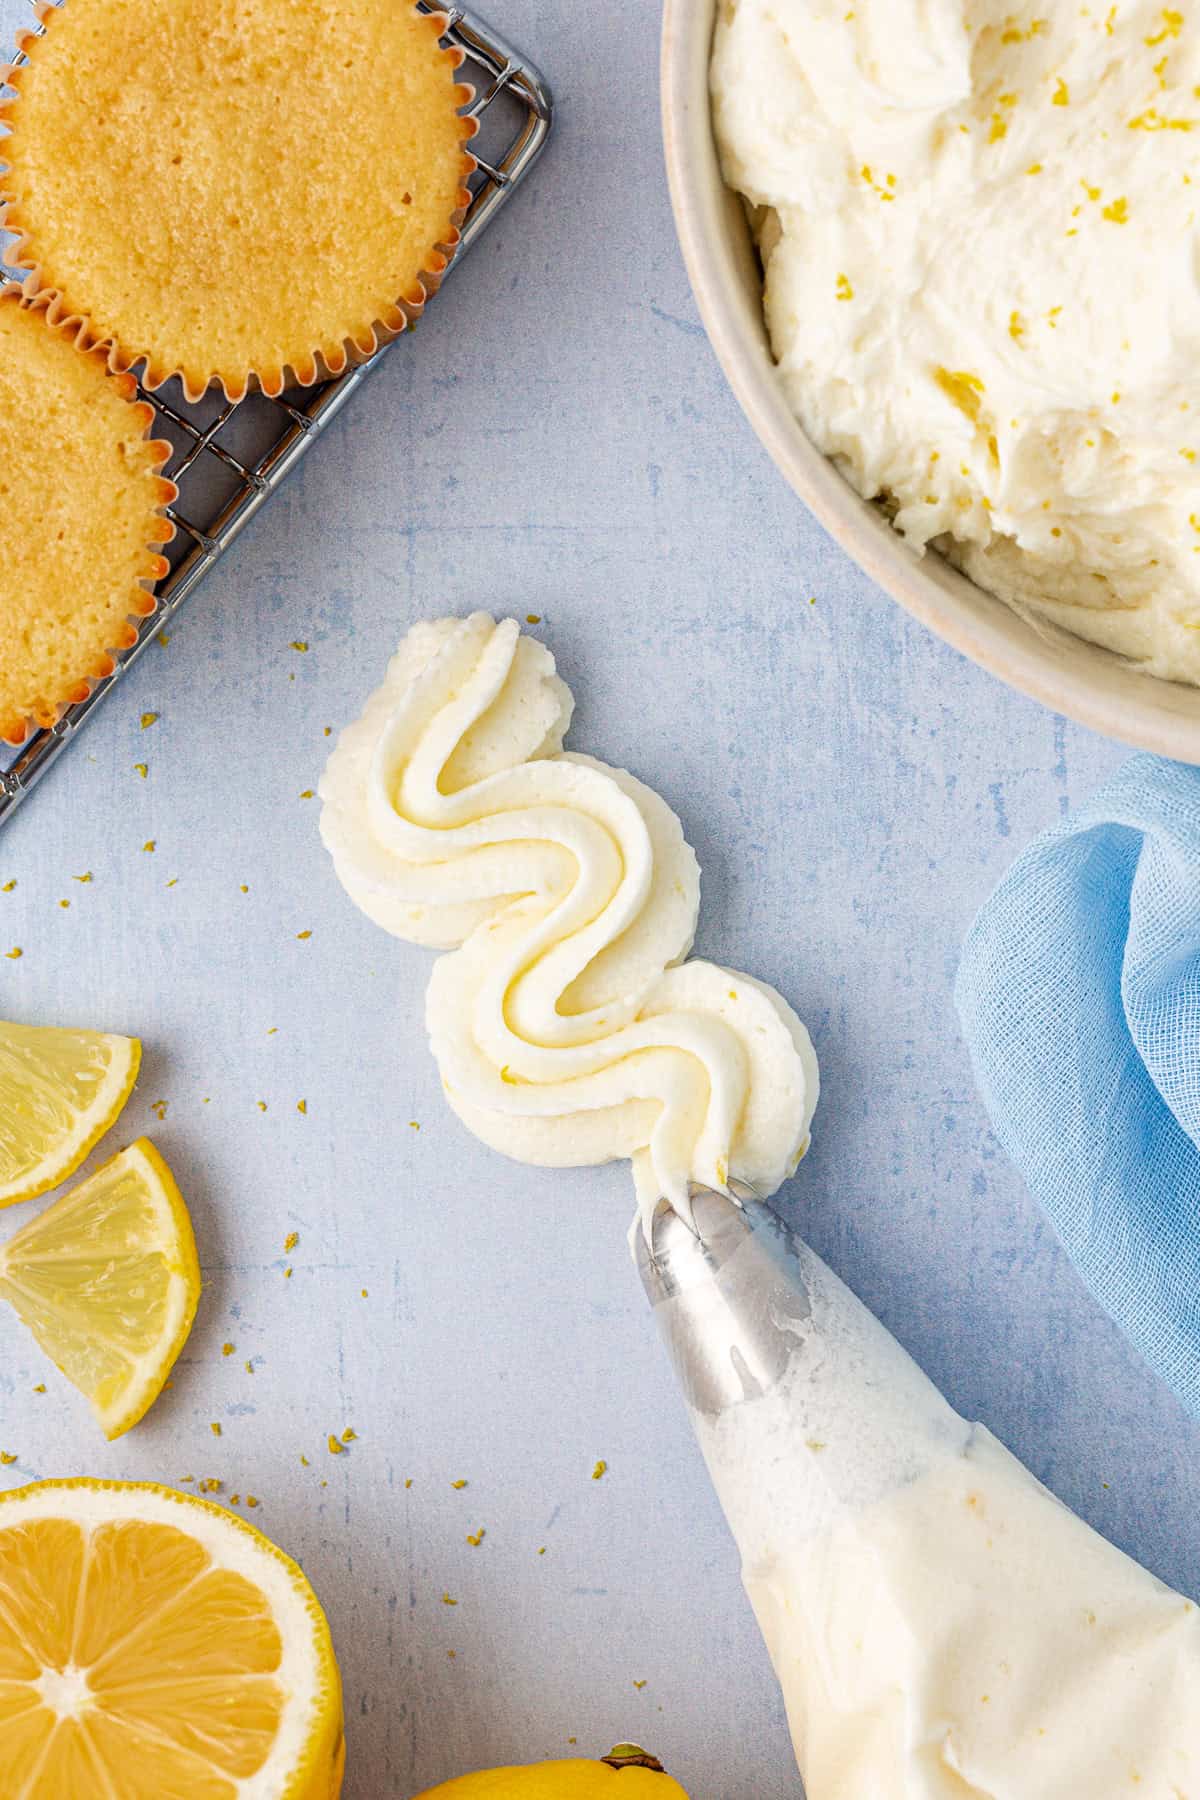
81,498
235,192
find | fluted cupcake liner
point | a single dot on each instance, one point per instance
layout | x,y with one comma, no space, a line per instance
327,357
151,566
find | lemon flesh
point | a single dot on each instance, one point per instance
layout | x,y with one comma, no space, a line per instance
60,1091
152,1646
573,1780
108,1282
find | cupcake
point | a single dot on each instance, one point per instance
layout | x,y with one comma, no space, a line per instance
235,191
81,521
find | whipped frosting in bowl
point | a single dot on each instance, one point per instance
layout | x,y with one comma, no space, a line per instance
568,1023
978,227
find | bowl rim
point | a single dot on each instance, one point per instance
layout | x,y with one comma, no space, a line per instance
1069,675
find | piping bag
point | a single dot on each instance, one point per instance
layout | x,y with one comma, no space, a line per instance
941,1626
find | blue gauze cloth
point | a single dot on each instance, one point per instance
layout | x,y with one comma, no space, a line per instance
1079,994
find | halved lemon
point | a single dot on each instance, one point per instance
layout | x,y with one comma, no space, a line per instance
108,1282
154,1647
60,1091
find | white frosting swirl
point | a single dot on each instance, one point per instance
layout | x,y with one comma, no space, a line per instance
566,1024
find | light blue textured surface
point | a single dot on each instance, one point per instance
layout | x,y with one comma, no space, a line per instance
557,438
1079,993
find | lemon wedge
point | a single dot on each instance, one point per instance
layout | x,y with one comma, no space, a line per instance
60,1091
152,1645
108,1282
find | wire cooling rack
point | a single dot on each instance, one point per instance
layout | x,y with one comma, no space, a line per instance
228,459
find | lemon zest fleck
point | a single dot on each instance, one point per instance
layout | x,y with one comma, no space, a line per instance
1172,25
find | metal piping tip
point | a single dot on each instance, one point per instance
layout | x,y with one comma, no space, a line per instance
730,1297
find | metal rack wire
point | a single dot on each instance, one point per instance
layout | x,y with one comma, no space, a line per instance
230,459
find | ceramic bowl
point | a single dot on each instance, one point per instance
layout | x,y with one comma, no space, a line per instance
1089,684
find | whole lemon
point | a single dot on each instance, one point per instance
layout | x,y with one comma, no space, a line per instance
641,1778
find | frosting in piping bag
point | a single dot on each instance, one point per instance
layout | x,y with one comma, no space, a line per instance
566,1024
